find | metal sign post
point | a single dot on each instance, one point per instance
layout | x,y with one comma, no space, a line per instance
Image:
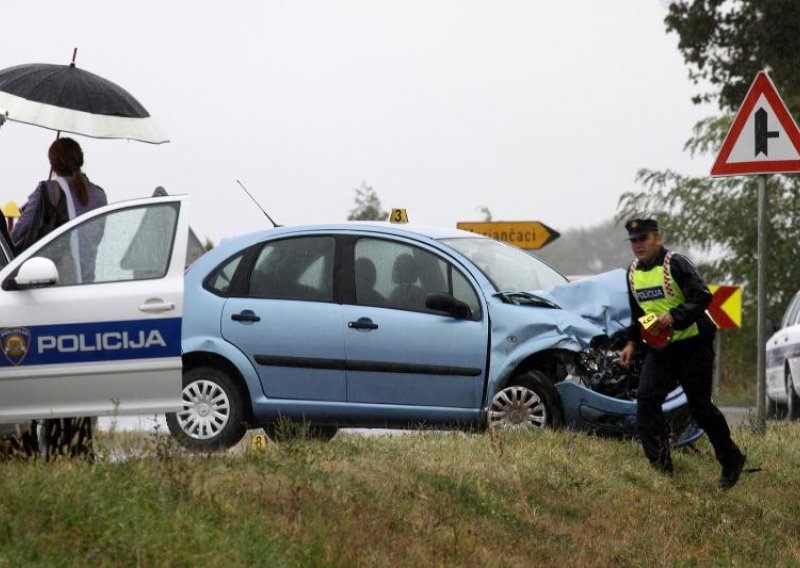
761,333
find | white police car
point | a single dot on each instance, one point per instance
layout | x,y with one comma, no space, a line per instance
90,316
783,365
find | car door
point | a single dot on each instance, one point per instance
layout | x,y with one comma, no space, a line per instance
90,316
287,322
782,348
398,351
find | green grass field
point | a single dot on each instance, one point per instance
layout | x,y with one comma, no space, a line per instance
549,498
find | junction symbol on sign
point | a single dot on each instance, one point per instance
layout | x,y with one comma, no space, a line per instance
763,138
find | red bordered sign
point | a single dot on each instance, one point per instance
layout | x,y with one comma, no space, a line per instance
763,138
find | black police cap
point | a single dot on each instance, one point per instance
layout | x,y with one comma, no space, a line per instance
639,227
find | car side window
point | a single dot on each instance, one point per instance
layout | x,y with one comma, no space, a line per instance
220,279
294,269
400,276
790,316
123,245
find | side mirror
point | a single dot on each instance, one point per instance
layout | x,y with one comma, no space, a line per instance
36,272
448,304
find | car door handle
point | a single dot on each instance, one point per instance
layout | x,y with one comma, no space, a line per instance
363,323
156,306
245,316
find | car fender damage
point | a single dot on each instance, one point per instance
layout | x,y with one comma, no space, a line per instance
566,318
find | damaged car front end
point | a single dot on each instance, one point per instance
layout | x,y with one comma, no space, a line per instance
555,358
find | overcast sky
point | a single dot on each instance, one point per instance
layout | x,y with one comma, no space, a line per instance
537,110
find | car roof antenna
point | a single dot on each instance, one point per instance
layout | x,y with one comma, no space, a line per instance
274,224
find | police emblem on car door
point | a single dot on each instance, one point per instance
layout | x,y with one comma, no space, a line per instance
90,317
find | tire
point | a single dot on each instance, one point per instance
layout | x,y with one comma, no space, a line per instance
792,400
286,430
212,418
528,402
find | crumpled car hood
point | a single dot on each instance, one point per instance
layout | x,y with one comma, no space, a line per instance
590,307
601,299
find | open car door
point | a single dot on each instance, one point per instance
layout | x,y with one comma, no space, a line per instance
90,316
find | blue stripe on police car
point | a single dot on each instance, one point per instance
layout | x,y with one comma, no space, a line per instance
86,342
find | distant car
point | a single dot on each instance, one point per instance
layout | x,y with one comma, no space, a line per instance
376,325
783,365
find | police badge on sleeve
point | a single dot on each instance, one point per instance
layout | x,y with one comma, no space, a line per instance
16,342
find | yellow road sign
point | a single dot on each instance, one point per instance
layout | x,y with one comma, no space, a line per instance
726,306
524,234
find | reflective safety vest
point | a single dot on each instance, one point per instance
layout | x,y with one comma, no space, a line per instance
656,292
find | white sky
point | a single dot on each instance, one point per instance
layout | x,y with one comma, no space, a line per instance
537,110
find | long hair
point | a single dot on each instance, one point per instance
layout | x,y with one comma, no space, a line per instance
66,159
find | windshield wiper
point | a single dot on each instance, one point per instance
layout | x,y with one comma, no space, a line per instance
526,299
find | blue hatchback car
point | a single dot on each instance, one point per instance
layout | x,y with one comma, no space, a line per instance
376,325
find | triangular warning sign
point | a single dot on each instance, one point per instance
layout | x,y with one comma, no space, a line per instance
763,138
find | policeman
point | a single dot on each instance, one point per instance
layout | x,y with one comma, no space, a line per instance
679,348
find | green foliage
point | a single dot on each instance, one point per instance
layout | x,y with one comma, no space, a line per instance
725,43
368,206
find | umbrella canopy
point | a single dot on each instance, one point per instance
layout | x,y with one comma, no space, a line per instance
68,99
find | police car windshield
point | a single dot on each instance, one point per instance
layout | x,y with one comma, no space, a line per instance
508,268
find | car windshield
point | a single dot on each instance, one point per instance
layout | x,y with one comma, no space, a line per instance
508,268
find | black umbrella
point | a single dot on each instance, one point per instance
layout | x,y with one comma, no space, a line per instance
69,99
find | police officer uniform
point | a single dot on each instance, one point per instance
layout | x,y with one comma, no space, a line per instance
670,283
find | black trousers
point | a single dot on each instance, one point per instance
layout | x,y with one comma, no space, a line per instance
690,363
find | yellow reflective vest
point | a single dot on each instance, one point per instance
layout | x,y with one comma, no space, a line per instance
656,292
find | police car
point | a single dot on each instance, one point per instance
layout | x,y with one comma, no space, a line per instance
90,316
783,365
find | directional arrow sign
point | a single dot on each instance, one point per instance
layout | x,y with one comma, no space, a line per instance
763,138
726,306
524,234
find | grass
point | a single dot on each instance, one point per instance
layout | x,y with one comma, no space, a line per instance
509,499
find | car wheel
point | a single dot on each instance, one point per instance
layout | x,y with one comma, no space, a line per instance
286,430
792,400
529,401
212,418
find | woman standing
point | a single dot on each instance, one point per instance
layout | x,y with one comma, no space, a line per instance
66,196
71,194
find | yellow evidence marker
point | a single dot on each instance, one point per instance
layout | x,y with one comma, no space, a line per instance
648,320
260,442
398,216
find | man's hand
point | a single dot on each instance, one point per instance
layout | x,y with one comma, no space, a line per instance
664,321
627,353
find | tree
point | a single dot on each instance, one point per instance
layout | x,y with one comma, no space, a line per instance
725,43
368,206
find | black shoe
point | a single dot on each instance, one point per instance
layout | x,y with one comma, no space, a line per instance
731,472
